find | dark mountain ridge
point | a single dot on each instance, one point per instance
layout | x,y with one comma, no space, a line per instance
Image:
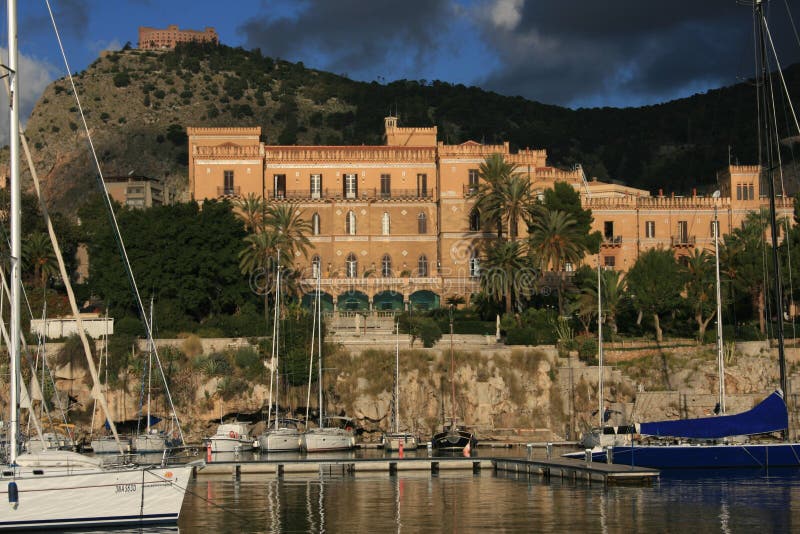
139,103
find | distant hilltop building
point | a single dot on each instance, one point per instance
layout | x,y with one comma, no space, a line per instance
166,39
137,191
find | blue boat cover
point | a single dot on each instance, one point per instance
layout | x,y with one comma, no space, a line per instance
769,416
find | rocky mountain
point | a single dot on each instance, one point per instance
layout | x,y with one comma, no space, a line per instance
138,104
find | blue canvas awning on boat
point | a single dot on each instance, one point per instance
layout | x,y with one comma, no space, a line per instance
768,416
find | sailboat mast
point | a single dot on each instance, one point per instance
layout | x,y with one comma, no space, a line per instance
720,353
319,346
768,113
149,364
16,234
600,407
397,378
276,339
452,374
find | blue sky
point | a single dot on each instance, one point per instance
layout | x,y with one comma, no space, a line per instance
576,53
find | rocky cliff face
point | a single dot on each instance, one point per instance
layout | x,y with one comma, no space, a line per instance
527,394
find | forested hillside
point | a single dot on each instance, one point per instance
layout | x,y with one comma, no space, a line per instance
139,103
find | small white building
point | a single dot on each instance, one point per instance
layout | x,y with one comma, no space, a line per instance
61,327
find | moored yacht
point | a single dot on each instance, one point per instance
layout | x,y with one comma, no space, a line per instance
338,434
231,437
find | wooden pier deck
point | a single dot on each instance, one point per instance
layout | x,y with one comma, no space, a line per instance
573,469
332,466
546,468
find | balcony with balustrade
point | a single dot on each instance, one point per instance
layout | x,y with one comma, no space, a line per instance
363,194
683,241
233,191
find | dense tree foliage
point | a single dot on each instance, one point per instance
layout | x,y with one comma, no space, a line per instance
185,257
655,283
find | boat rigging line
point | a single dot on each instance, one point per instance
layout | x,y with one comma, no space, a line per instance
118,238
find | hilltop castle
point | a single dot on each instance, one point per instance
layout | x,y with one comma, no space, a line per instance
166,39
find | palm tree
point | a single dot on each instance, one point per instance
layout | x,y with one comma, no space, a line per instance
501,271
250,210
290,229
743,260
555,240
503,195
698,271
258,261
38,253
259,253
612,286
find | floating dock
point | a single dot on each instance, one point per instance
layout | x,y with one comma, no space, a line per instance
573,469
546,468
331,466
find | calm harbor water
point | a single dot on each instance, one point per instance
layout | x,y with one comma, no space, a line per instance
463,502
466,502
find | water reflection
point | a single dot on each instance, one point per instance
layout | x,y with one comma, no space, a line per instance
462,501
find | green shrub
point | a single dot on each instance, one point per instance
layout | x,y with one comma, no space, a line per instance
216,365
122,79
428,331
129,326
587,350
249,361
232,387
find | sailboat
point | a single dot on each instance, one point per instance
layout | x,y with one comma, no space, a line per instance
724,441
452,437
107,444
283,435
152,439
396,440
604,435
333,433
64,489
231,437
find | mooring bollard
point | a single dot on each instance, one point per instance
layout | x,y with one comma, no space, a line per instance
208,453
588,456
529,448
549,451
609,454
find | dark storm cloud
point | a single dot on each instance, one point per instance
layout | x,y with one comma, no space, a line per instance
72,17
350,36
625,52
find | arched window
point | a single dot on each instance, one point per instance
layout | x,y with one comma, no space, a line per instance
351,266
316,264
315,224
474,265
474,220
422,266
385,223
386,266
350,223
422,223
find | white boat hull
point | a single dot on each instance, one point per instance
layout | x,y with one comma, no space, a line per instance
328,439
74,495
149,443
280,440
392,442
109,445
229,444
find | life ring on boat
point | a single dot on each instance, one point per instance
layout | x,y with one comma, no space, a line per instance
233,434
